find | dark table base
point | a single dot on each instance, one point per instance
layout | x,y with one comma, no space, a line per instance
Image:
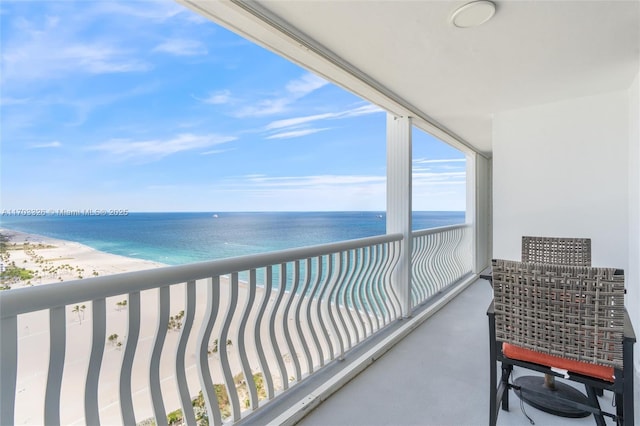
545,399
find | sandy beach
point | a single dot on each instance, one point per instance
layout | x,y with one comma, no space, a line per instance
54,254
33,345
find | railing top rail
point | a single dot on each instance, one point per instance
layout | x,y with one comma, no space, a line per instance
429,231
22,300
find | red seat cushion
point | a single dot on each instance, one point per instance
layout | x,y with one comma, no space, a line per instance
584,368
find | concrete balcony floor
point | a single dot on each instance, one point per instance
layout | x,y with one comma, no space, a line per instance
437,375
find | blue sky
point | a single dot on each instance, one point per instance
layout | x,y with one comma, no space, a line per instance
146,106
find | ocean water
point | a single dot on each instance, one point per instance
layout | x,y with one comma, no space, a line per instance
180,238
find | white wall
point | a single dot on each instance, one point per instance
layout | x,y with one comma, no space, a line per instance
633,272
561,170
570,169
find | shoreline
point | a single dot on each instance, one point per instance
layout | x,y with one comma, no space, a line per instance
55,260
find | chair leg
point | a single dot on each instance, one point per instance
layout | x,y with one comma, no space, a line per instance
499,392
593,399
493,393
627,404
619,400
504,383
627,385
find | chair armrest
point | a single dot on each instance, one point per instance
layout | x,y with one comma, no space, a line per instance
491,311
629,334
486,274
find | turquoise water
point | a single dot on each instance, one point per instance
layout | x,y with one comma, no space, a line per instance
180,238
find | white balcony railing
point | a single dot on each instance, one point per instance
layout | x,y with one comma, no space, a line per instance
233,333
440,257
295,311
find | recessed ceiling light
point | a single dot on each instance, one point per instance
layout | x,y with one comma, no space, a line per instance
473,14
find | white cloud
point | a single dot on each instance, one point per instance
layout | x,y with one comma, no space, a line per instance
45,56
63,41
214,151
292,193
298,121
449,160
217,98
157,11
315,180
438,178
264,107
296,133
304,85
54,144
294,90
182,47
155,149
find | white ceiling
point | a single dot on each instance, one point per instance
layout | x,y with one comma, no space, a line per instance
531,52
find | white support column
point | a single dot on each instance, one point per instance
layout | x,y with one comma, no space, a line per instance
399,185
478,211
471,212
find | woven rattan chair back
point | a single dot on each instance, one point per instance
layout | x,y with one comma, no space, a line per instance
563,251
574,312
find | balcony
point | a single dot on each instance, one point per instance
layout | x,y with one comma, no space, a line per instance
544,100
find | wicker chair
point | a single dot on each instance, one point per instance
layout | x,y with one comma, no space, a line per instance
564,321
561,251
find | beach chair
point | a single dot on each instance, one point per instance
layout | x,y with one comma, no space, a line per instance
564,321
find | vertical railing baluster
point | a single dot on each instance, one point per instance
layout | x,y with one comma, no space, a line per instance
455,266
164,304
333,302
180,366
355,291
448,250
323,304
285,320
374,321
429,247
364,280
442,260
419,287
57,343
232,392
432,271
387,282
264,365
204,336
272,326
457,270
98,336
8,368
244,360
392,261
376,278
346,286
439,262
314,299
302,297
133,332
389,311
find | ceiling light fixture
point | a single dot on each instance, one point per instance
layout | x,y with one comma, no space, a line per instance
473,14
